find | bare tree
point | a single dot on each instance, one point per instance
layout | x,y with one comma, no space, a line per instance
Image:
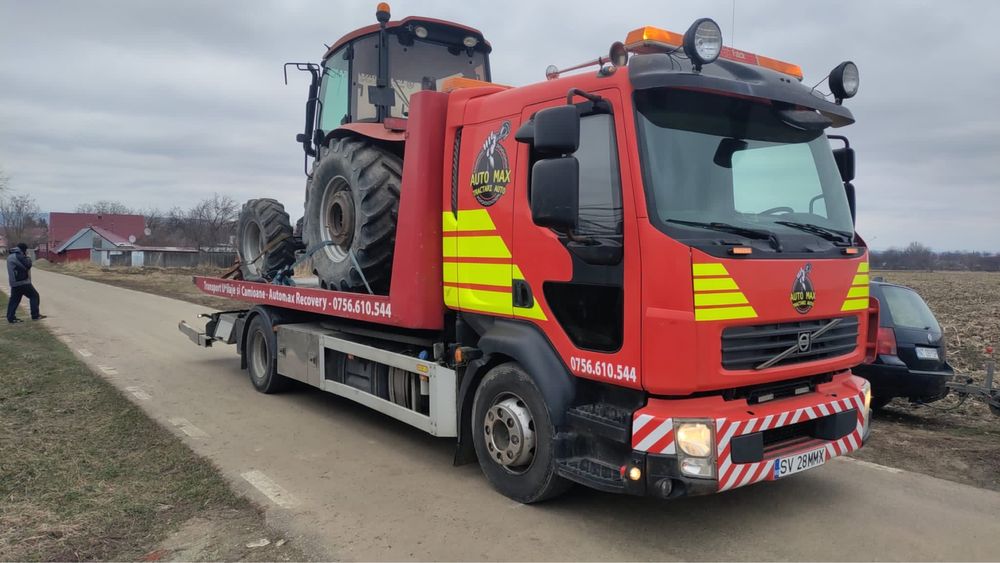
105,207
17,215
212,221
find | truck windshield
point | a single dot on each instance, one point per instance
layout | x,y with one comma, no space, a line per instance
729,165
413,65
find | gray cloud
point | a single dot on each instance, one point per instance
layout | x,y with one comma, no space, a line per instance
162,103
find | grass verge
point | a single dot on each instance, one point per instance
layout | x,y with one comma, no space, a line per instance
86,475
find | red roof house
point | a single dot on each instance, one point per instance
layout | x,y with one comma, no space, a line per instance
64,226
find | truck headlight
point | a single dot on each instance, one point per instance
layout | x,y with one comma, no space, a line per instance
694,438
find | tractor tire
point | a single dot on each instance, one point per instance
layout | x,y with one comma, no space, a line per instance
261,222
352,202
514,436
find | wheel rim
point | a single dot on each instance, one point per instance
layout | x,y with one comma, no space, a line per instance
258,356
509,430
251,245
337,217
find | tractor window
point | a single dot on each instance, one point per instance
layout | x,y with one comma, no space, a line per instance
414,65
334,92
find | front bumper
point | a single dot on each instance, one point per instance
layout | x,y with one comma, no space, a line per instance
748,438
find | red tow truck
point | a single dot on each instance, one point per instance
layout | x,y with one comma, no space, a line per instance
641,276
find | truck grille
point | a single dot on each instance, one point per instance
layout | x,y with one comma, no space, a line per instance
745,347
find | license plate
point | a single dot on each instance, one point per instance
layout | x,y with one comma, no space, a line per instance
785,466
925,353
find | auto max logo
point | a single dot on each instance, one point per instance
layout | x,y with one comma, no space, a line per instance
491,173
803,295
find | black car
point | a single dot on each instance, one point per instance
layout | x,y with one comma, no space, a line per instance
911,362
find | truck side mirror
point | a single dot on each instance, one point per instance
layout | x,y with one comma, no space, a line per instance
555,193
845,162
557,130
851,201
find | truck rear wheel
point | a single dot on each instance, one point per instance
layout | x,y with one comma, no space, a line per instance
514,436
262,222
351,206
261,347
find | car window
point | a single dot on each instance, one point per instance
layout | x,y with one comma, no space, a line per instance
908,309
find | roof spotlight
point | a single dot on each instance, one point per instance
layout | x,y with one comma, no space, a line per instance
470,41
420,31
703,42
844,81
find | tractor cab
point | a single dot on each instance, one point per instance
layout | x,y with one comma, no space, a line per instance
369,75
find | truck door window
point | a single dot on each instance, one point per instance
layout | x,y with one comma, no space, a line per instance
600,185
334,92
590,307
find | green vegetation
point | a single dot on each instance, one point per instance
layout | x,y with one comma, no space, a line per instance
84,473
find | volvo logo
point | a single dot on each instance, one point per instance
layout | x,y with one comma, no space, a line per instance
805,342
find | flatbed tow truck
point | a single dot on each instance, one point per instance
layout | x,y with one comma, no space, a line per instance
643,277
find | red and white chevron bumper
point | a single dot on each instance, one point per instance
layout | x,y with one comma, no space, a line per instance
653,426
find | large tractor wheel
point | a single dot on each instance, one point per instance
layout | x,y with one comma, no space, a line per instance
263,221
351,206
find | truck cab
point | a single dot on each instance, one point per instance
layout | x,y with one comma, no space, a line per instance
687,233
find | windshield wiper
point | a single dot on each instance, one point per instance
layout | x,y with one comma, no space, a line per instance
822,232
758,234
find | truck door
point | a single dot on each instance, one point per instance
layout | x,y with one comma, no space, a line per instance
478,233
573,285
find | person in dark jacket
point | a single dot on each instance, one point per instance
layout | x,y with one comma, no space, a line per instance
19,275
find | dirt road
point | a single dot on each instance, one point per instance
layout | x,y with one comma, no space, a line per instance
352,484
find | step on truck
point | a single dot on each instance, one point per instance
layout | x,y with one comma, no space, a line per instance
639,274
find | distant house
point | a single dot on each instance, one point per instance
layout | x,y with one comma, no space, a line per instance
63,226
82,245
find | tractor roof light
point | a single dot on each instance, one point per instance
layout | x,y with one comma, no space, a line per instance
470,42
703,42
382,12
844,81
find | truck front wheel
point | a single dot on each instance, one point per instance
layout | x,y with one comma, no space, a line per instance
260,347
514,436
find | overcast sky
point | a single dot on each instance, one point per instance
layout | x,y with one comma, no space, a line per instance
162,103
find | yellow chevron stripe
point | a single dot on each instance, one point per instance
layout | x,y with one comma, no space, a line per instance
859,291
715,284
860,279
467,220
855,304
476,247
863,268
481,274
725,313
715,269
497,302
451,296
728,298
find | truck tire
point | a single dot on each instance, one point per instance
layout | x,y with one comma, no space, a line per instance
352,203
261,222
261,347
514,436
